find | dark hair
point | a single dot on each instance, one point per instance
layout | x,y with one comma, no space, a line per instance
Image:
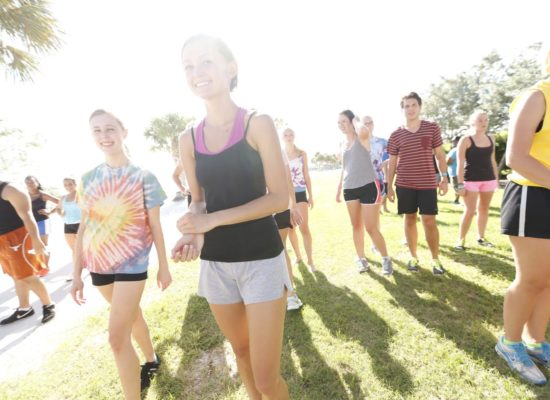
102,112
38,184
220,46
411,95
349,114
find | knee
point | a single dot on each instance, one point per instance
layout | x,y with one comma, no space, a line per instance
410,219
241,351
371,229
357,227
118,340
469,212
482,211
266,383
304,229
429,223
532,286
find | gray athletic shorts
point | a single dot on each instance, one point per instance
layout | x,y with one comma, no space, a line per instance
249,281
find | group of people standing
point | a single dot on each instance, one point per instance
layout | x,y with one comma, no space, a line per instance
238,183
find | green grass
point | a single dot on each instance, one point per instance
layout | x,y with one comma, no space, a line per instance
410,336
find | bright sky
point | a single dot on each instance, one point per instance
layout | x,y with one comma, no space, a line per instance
302,61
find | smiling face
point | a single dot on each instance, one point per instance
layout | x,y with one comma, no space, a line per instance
69,185
208,72
32,185
108,134
345,125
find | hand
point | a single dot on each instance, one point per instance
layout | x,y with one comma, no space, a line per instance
164,278
443,187
77,290
339,196
43,212
195,223
188,247
310,203
391,194
295,217
39,248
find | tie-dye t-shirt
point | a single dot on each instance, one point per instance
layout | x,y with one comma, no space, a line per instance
378,154
117,238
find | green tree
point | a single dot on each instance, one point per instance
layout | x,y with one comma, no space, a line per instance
164,132
325,161
490,85
26,28
20,148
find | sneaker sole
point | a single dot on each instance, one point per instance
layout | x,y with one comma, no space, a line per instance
499,352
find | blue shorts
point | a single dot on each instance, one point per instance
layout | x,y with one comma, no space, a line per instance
43,227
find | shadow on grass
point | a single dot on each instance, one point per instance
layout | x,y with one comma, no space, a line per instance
486,261
346,315
199,375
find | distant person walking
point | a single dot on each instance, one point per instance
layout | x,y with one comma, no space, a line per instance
361,191
452,165
412,148
299,172
22,253
525,218
120,222
476,178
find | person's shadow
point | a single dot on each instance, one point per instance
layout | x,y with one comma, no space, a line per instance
347,316
495,264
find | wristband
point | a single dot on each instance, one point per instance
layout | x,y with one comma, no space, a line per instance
444,174
459,186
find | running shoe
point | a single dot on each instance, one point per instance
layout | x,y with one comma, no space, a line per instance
437,268
48,312
148,371
540,355
460,246
484,242
17,315
413,265
387,267
362,265
519,361
293,303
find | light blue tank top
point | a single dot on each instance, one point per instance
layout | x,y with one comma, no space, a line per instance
358,169
72,212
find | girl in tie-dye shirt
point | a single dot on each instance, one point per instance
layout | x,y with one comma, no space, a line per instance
120,221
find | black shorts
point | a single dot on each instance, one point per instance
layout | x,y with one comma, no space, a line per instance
410,201
525,211
71,228
107,279
368,194
301,197
283,219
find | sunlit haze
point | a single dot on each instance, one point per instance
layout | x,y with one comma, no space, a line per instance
301,61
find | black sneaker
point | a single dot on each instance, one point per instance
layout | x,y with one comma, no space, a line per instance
437,268
412,265
148,371
483,242
17,315
48,312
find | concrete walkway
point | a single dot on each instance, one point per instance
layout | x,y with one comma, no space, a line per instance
26,344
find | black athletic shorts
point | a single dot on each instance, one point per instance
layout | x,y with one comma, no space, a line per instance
525,211
107,279
368,194
410,201
301,197
283,219
71,228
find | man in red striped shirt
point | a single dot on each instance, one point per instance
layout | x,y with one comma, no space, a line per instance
411,148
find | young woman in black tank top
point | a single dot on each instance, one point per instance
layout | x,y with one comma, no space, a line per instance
235,189
477,176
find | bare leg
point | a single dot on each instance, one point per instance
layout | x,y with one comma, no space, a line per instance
534,330
371,220
306,233
295,243
354,211
34,284
483,212
411,233
432,234
283,233
470,201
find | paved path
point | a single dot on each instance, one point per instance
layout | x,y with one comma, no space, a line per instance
25,344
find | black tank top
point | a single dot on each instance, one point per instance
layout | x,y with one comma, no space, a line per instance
9,220
479,166
233,177
38,204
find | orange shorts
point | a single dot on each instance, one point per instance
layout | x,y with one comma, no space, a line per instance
14,255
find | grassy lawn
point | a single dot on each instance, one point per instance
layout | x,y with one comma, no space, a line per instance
410,336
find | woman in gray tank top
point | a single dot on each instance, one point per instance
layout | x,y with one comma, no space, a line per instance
361,191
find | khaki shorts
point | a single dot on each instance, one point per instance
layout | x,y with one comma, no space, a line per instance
245,282
14,255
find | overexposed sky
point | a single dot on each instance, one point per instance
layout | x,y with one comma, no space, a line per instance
303,61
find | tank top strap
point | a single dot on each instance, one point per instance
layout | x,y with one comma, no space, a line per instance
248,122
472,141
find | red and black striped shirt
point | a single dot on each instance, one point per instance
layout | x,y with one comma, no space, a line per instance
415,166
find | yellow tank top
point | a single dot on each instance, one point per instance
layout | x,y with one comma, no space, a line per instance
540,149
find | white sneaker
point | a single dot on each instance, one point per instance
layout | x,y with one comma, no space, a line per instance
387,267
375,250
293,303
362,265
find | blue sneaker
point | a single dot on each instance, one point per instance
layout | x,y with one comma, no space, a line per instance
540,355
519,361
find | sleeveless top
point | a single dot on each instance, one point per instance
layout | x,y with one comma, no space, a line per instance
358,168
71,210
9,220
230,178
540,148
479,166
297,174
38,204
